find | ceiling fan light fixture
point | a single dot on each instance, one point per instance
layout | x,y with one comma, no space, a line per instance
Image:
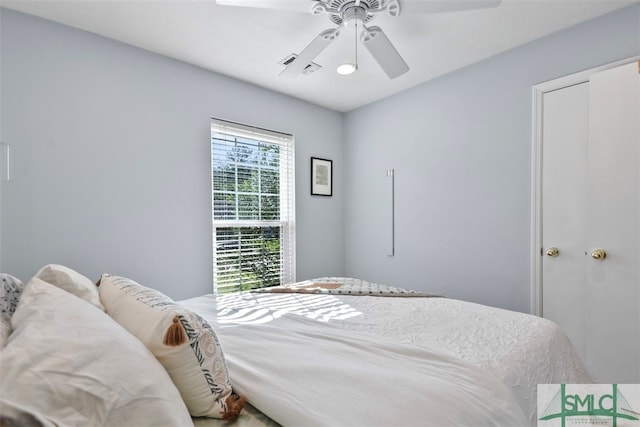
346,69
351,67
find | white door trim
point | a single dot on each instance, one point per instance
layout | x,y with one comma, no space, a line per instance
536,168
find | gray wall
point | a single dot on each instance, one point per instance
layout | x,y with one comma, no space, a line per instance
461,149
111,160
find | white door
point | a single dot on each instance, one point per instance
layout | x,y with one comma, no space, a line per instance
613,283
590,196
564,192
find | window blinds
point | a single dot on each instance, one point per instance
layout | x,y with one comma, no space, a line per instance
253,206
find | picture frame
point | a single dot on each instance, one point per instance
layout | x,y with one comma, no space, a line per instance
321,177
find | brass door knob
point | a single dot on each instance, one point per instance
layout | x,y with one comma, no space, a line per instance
552,251
598,254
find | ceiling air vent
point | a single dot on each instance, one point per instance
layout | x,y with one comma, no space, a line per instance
310,68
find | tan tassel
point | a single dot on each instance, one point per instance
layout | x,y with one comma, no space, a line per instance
175,335
235,403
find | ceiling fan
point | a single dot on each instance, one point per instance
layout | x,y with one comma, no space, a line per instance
355,14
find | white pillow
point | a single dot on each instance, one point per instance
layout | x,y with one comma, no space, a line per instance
10,290
72,282
70,361
182,341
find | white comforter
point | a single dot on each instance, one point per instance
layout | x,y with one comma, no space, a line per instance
518,349
304,372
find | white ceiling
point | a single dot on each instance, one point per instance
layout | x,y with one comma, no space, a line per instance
248,43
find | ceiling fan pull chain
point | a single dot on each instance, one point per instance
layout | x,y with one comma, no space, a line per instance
355,34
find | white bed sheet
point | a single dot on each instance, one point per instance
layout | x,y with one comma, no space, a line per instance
518,349
249,417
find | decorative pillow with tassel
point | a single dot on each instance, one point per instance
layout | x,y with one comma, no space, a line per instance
183,342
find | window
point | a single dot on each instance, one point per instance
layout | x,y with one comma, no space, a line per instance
253,207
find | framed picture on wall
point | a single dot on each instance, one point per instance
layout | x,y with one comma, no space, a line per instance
321,177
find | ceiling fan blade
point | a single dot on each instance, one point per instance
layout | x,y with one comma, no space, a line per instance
310,52
290,5
436,6
379,46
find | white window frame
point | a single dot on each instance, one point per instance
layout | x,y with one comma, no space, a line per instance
286,222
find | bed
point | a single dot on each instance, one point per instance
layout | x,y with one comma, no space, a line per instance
328,352
519,350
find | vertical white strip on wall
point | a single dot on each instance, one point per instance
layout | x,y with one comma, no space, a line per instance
390,213
5,176
5,159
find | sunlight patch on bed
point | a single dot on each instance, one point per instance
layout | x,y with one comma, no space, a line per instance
248,308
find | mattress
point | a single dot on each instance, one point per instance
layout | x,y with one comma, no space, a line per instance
517,349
